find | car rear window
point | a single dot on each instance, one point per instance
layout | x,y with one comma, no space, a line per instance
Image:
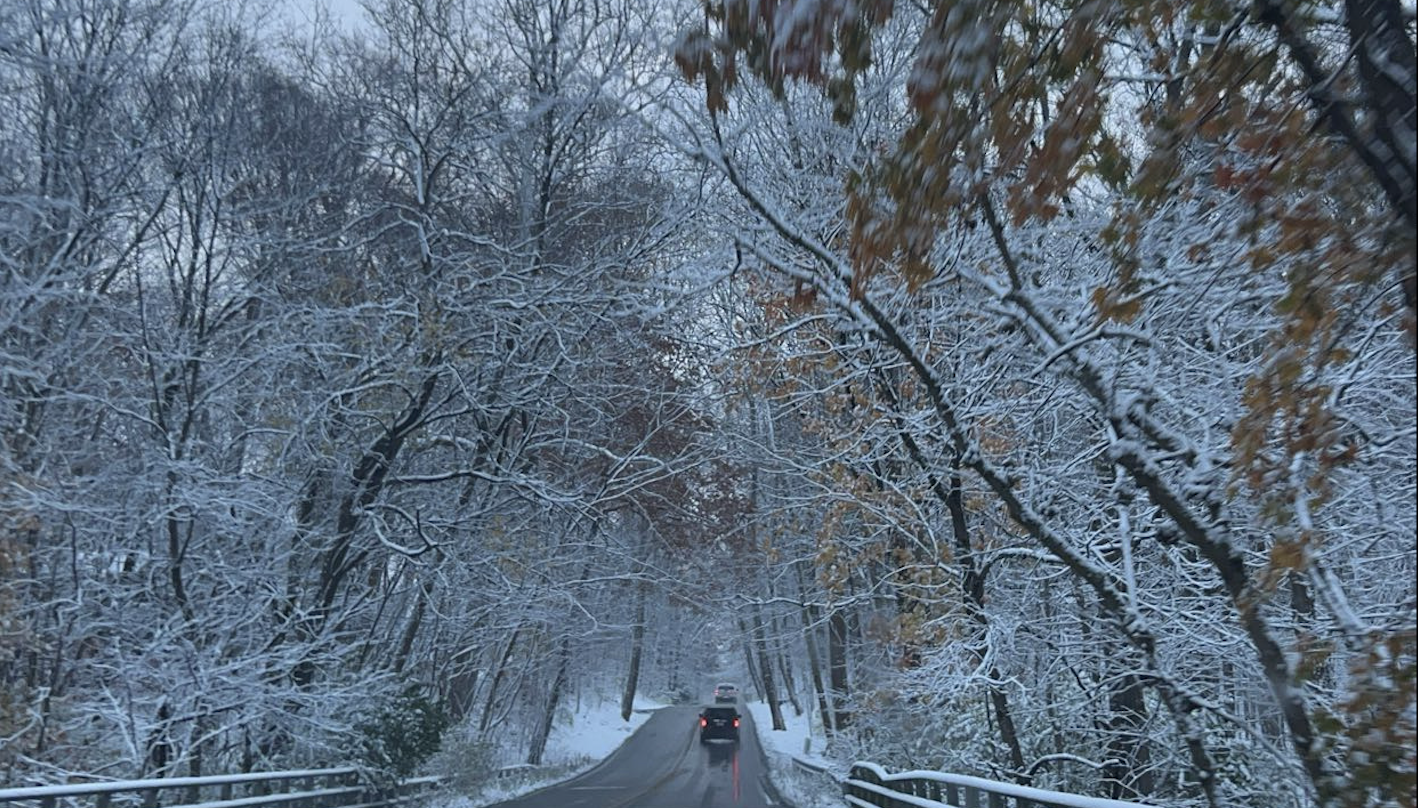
720,712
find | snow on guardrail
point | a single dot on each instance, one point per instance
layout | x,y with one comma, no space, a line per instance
117,786
868,779
301,788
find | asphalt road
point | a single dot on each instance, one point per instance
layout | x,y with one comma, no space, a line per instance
663,765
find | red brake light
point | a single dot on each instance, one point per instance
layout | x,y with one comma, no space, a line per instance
736,722
703,722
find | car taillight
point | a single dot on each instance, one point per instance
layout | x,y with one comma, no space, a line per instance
703,722
736,722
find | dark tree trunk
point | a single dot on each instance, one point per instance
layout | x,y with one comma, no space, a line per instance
837,668
342,556
485,720
814,660
749,661
462,683
972,577
406,644
818,688
789,685
637,644
765,668
558,685
974,585
1007,732
1128,775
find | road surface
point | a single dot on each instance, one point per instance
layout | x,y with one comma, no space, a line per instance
663,765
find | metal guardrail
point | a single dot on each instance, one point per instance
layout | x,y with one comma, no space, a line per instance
810,767
305,788
806,782
515,770
870,786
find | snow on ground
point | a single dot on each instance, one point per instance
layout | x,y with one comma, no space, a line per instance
597,730
802,740
577,744
588,737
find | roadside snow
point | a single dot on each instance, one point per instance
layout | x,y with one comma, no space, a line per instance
597,731
800,740
576,745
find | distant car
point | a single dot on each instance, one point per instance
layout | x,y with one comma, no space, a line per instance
721,723
726,692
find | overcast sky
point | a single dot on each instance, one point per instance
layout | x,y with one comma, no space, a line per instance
346,12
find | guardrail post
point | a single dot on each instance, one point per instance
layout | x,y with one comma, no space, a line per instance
104,800
972,797
150,798
346,779
996,800
46,802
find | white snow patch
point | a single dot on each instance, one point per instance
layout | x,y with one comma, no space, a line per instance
802,740
596,731
575,746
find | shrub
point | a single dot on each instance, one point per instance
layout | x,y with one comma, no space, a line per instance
402,735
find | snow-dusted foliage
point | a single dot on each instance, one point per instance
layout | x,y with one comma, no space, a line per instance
1023,390
1102,354
329,370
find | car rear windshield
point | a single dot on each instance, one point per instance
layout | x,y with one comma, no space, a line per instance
720,712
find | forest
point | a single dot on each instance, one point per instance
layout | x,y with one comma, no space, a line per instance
1024,389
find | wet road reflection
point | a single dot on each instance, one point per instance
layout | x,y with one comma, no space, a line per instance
725,757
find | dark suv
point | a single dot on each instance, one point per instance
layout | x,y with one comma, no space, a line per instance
719,722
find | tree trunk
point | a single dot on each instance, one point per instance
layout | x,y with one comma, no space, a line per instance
637,643
789,685
765,667
972,578
341,556
462,683
785,664
1128,775
749,662
539,740
837,668
809,616
497,678
973,582
814,663
406,644
1007,732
